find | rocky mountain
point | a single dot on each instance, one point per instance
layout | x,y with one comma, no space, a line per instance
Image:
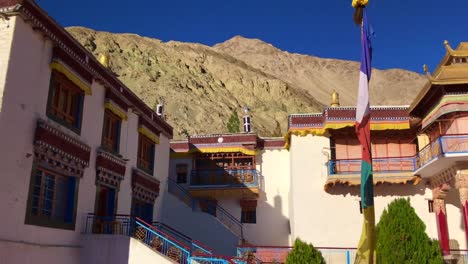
202,85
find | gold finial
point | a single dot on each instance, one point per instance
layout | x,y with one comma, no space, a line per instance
447,47
104,60
426,70
335,99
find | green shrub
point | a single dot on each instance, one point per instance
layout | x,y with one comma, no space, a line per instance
304,253
402,238
233,124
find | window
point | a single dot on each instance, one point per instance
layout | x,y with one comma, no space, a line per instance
249,215
111,132
65,103
52,199
430,204
181,170
145,154
142,210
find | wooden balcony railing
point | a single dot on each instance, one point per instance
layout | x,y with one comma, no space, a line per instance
380,165
224,178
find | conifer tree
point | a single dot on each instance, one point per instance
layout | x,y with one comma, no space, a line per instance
303,253
402,238
233,124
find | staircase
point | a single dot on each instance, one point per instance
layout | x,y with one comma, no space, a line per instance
223,216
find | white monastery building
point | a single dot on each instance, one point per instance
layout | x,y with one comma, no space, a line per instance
90,174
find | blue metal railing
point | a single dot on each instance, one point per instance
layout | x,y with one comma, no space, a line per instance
161,242
446,144
381,165
230,221
224,178
180,193
217,260
195,246
221,214
138,229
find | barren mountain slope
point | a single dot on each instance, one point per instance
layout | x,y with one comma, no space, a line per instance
202,85
319,76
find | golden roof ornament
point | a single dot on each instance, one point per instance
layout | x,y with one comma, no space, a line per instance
428,74
104,59
448,47
335,99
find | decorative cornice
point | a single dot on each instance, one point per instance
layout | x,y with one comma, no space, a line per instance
144,186
40,21
110,163
445,176
60,142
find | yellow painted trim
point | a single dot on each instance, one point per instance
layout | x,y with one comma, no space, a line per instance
71,76
147,133
224,149
323,130
116,110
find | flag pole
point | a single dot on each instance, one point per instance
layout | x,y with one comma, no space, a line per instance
367,243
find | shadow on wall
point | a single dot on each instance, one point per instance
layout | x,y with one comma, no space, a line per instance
270,217
453,198
382,189
219,181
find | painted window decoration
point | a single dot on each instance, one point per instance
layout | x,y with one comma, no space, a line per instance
146,150
249,215
181,171
52,199
143,210
111,132
65,103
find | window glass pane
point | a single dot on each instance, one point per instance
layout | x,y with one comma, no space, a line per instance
60,199
48,197
36,192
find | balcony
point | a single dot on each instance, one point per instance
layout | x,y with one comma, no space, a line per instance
386,170
224,183
445,152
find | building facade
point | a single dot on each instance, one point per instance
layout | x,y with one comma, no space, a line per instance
90,175
75,142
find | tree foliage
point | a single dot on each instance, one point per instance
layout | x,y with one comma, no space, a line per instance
304,253
402,238
233,124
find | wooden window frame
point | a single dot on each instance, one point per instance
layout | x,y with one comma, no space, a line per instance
146,154
40,219
64,94
111,141
249,215
137,202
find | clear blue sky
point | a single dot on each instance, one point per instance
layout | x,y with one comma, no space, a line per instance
409,33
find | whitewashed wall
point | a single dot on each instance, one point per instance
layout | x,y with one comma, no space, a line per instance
24,88
273,201
333,219
98,249
161,172
199,226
